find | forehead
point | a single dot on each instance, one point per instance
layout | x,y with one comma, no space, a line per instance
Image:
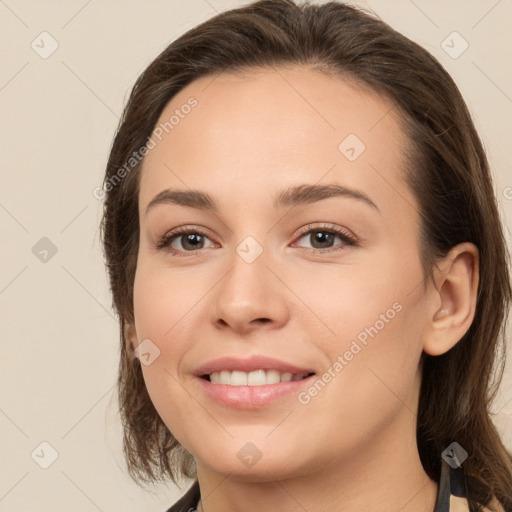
268,129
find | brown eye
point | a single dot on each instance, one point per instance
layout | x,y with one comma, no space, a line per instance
191,241
322,238
183,240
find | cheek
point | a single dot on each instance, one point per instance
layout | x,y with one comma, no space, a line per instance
378,356
367,294
164,305
375,315
162,301
371,383
173,404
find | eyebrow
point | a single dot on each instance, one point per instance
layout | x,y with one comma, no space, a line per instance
293,196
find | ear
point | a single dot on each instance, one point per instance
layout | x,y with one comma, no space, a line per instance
452,301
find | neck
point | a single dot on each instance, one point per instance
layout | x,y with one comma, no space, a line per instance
385,474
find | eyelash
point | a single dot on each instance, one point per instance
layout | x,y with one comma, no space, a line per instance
165,241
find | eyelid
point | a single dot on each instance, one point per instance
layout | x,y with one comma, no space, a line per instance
163,242
326,227
344,234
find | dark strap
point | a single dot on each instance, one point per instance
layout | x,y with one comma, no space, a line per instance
451,482
189,501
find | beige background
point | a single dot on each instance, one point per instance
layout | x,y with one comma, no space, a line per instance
59,338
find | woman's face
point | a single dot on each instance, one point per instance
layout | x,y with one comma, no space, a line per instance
289,158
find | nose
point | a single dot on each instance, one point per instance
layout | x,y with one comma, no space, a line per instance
250,296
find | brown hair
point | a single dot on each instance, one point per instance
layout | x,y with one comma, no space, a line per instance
447,170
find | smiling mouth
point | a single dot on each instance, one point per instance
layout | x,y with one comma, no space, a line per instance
254,378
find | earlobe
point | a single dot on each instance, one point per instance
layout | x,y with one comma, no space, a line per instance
454,296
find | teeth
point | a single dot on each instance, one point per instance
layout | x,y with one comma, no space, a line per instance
255,378
238,379
273,377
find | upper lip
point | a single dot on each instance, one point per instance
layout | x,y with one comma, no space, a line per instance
255,362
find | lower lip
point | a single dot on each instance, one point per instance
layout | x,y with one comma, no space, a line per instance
251,397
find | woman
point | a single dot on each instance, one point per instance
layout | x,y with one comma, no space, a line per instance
350,373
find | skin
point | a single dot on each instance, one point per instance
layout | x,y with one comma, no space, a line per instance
353,446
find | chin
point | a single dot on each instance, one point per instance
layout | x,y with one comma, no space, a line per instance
269,470
253,461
